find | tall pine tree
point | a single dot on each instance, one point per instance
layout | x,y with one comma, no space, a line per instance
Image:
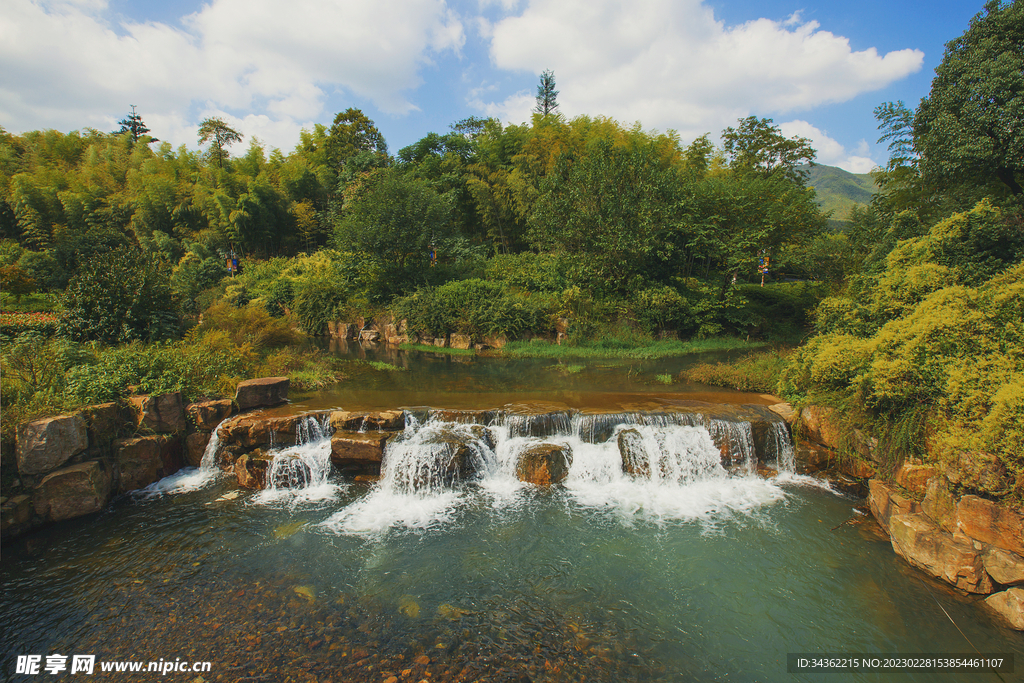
546,94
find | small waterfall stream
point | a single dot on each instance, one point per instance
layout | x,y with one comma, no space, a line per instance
301,472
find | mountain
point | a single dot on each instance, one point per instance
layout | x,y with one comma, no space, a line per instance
838,190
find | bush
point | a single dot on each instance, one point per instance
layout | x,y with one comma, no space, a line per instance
120,296
663,308
250,325
528,271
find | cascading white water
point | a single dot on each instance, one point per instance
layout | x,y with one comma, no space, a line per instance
781,446
190,478
300,473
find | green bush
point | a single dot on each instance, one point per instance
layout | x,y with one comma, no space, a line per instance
528,271
663,308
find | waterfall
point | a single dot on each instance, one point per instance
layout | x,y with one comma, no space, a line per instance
780,445
189,478
300,472
209,460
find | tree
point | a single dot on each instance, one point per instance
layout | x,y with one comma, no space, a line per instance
221,134
759,146
353,132
546,94
968,130
134,124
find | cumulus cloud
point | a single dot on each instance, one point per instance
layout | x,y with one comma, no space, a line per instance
671,64
66,64
830,151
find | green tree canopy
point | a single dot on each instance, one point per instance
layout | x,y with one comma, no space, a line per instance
351,133
547,102
221,134
758,145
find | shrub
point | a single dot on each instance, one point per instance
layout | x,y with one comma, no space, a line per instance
663,308
250,325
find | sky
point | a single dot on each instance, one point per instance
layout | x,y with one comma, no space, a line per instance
269,68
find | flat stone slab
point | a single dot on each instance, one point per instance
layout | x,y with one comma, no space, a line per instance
261,393
74,491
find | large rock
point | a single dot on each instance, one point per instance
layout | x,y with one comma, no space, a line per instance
810,457
544,464
915,478
939,504
208,414
634,458
785,411
1009,605
146,459
377,421
251,470
461,341
261,393
346,331
820,425
885,502
991,523
979,471
45,444
855,467
259,431
195,447
953,558
161,413
865,445
353,451
104,422
74,491
15,515
1003,566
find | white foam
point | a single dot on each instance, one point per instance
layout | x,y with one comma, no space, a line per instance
183,481
384,508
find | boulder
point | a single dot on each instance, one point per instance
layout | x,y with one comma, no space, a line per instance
634,457
810,457
45,444
441,342
820,425
855,467
195,446
378,421
494,341
978,471
355,451
866,446
146,459
74,491
15,515
1003,566
991,523
208,414
161,413
953,558
369,336
785,411
251,470
939,504
544,464
1009,605
346,331
885,502
104,423
915,478
261,393
259,431
461,341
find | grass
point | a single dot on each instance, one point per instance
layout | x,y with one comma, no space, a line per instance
754,372
570,369
384,367
664,379
437,349
614,349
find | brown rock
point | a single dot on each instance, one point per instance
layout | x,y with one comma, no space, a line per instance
544,464
1009,605
73,491
634,458
104,422
382,420
441,342
45,444
952,558
855,467
146,459
15,515
251,470
162,413
991,523
369,336
885,503
261,393
195,446
810,457
258,431
979,471
915,478
495,342
208,414
461,341
1003,566
865,445
820,425
354,450
785,411
939,504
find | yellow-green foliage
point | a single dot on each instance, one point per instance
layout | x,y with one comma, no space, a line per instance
941,328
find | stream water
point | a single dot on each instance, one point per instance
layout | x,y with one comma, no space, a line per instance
680,571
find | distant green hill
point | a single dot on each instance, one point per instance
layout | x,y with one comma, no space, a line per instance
838,190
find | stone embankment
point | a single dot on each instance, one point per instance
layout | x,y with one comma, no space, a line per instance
942,517
73,465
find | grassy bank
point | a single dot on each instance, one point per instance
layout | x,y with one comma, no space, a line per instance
758,372
437,349
612,348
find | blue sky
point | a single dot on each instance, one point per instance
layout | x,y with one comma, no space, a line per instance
415,66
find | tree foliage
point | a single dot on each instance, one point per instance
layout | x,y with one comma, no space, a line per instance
221,134
547,102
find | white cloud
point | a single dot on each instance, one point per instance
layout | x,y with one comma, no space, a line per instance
66,66
670,64
830,152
